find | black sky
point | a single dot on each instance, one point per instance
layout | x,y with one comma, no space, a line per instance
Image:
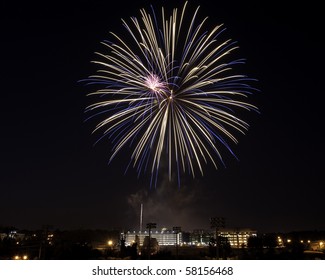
52,174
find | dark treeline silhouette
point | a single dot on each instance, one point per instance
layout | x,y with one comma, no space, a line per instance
56,244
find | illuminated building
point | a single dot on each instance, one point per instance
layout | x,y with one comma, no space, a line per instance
237,237
164,237
13,234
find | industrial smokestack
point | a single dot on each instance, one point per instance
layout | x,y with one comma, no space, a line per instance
141,216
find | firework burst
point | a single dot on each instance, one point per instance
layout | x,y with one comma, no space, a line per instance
168,90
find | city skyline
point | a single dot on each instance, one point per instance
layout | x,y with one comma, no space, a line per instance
233,244
52,173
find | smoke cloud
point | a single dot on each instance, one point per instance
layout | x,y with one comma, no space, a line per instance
169,205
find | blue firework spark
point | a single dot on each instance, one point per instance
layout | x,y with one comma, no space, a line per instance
168,88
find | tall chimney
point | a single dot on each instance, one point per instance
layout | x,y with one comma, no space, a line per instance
141,216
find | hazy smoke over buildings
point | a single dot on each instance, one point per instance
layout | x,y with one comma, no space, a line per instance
168,205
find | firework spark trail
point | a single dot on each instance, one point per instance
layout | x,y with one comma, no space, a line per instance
167,89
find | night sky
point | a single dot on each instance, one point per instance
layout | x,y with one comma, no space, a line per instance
51,173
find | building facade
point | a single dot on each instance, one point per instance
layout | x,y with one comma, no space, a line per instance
164,237
237,238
